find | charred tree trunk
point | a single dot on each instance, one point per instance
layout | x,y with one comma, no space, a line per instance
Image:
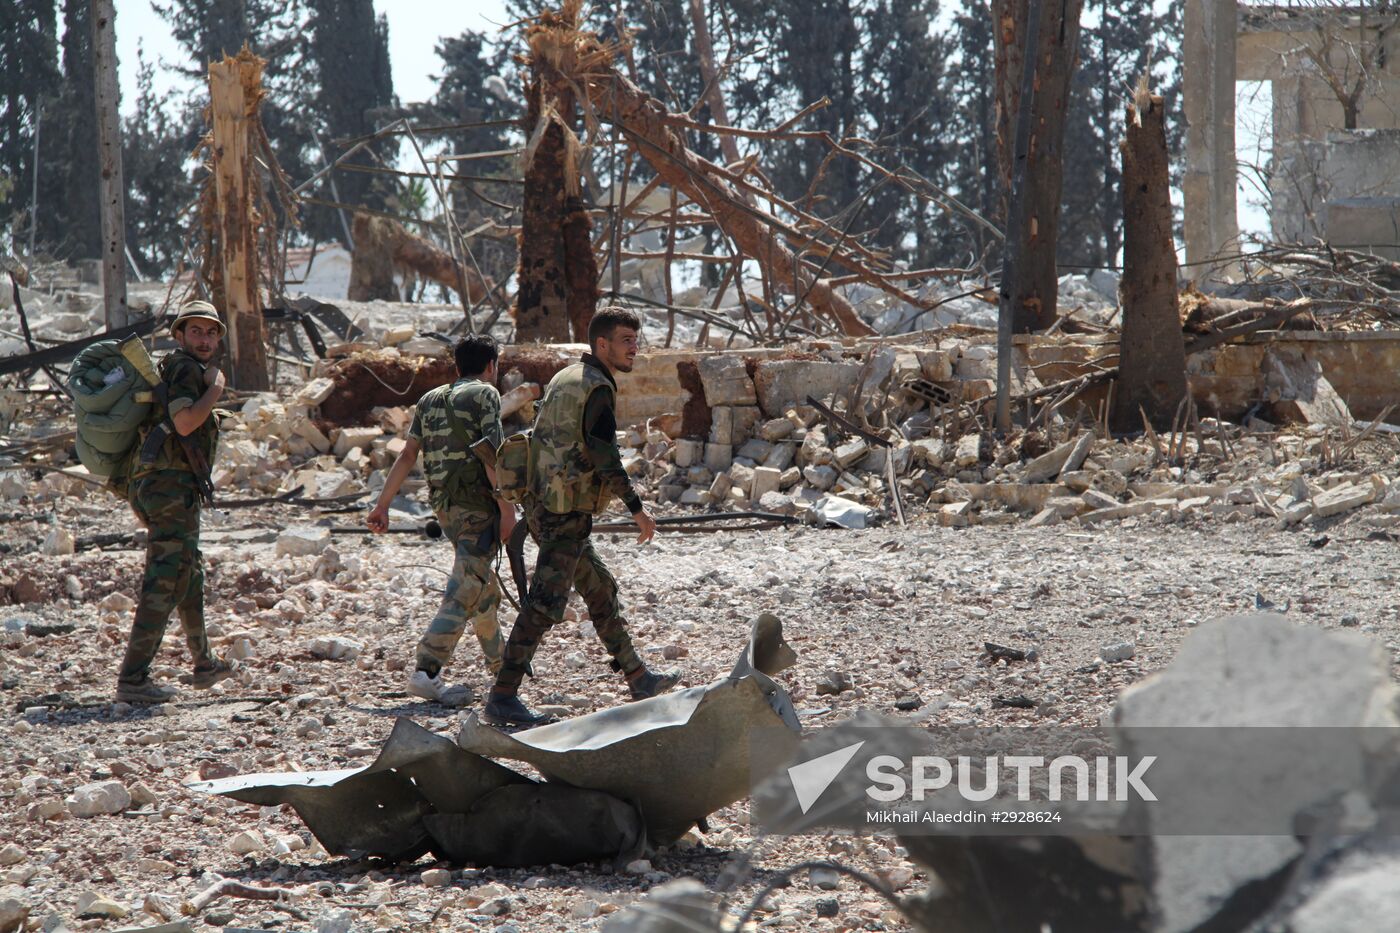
1152,367
557,275
1034,284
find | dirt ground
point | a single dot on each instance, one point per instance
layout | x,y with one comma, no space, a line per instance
903,613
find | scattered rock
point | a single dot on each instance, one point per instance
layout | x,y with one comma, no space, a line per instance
99,798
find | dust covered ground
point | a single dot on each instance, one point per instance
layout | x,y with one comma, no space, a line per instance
897,617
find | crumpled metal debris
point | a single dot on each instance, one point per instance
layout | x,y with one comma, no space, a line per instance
618,780
679,757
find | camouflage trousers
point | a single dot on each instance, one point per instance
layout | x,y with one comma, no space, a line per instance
566,562
166,503
472,593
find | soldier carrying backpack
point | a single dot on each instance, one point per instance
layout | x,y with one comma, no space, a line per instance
164,472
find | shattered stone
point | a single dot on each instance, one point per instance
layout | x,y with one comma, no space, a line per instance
303,541
689,452
968,451
821,477
247,842
1118,651
726,380
718,457
351,438
59,542
98,799
335,648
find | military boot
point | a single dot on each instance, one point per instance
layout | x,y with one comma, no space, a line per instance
143,691
645,684
508,711
211,672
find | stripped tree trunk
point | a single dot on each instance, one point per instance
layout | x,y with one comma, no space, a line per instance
1152,367
1034,286
235,94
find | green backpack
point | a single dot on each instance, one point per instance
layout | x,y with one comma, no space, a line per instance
111,382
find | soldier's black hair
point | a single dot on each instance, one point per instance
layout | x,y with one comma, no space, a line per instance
608,319
474,353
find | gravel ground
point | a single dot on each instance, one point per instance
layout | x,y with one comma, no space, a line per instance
902,613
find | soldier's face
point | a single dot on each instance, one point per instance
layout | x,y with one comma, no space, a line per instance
618,351
200,339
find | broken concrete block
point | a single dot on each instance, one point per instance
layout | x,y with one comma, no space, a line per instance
1257,692
742,477
1077,480
355,437
306,429
335,648
930,452
784,383
791,477
765,480
935,365
719,488
783,454
875,461
316,391
1110,482
99,798
689,452
1341,499
1300,391
303,541
397,335
718,457
1118,651
726,380
776,429
1048,464
699,475
1045,517
968,451
745,418
956,514
722,425
1098,500
822,477
1082,446
1067,506
695,495
850,452
755,449
776,502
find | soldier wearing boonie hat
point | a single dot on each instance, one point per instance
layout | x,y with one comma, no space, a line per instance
169,478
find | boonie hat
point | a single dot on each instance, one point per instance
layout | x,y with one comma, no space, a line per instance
197,309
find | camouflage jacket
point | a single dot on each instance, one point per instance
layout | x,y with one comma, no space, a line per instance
577,467
184,379
455,475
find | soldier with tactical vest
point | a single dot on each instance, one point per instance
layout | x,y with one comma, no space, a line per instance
576,472
448,423
168,480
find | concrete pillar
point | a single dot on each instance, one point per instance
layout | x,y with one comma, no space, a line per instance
1208,73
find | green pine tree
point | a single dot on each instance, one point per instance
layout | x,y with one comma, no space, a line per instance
29,80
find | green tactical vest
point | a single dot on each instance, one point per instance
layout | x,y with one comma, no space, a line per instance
451,420
564,479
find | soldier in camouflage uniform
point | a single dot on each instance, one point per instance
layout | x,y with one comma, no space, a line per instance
164,489
576,472
461,492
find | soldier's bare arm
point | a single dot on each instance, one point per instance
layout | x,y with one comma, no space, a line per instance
378,520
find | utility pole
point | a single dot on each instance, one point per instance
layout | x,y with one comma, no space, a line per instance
112,190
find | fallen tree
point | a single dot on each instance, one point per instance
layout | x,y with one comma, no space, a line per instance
383,247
